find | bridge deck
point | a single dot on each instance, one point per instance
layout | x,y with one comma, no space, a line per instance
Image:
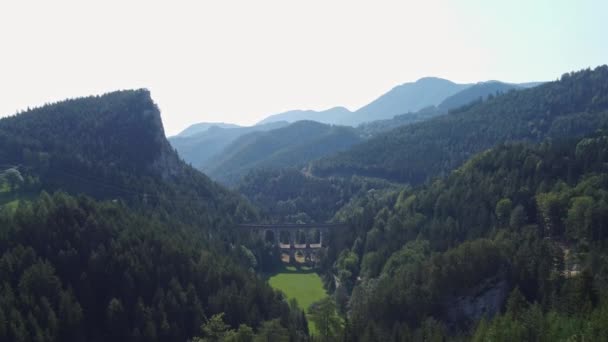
300,246
285,226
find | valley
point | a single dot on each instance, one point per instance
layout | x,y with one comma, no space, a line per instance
447,226
304,171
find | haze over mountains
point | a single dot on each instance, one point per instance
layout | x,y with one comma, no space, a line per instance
330,116
490,208
198,148
204,126
289,146
572,106
404,98
206,145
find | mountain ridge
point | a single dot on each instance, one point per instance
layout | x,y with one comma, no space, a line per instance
287,146
328,116
202,127
412,153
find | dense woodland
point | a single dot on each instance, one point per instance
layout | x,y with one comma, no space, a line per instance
198,147
291,146
73,269
289,195
522,223
150,262
501,233
113,147
576,104
508,246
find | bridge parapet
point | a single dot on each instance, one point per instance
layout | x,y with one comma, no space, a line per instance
292,226
293,246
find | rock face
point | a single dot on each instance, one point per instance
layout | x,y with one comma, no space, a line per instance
166,163
484,300
120,131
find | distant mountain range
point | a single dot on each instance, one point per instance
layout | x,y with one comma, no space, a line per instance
289,146
405,98
198,148
408,97
209,146
330,116
204,126
571,107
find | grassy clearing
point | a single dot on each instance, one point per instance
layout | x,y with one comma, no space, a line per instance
303,284
11,206
9,200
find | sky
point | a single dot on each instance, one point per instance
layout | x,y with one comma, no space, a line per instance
240,61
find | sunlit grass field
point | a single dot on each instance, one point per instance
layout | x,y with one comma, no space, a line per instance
303,284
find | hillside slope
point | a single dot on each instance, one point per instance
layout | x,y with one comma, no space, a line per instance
474,93
329,116
574,105
202,127
408,97
289,146
109,146
518,230
152,263
199,148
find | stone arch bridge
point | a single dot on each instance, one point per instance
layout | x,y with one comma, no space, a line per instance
288,236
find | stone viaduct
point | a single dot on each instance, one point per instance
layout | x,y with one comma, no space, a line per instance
292,245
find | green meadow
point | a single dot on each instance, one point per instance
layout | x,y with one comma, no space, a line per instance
303,284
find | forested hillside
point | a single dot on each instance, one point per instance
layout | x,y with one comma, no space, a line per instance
199,148
289,195
142,254
290,146
572,106
463,99
109,147
106,234
519,231
73,269
373,128
478,91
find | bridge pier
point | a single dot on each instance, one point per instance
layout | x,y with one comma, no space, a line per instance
308,247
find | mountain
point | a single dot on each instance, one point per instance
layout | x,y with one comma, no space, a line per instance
289,146
467,97
133,244
475,92
289,195
408,97
330,116
575,105
412,97
504,248
373,128
204,126
79,145
198,148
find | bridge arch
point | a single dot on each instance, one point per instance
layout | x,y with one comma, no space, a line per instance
292,239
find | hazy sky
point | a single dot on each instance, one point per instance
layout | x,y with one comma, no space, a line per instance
238,61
